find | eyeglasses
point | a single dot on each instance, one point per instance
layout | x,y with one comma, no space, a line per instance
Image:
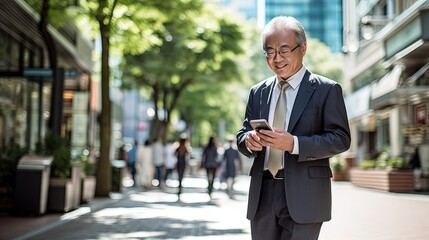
283,51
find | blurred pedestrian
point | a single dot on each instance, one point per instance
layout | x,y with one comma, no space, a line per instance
170,159
131,161
145,167
182,153
210,162
122,153
231,161
158,161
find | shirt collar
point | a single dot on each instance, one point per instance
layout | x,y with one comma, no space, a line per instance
295,79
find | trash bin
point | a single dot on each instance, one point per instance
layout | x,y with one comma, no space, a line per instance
32,183
118,173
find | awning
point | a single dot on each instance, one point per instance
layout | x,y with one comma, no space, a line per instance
383,91
389,91
387,83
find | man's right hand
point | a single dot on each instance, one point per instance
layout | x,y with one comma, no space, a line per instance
253,141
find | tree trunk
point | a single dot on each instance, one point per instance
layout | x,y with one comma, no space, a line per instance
104,172
56,108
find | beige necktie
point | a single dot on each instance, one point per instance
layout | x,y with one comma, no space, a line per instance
276,156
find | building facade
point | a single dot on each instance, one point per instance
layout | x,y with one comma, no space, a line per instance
247,7
322,19
26,80
386,70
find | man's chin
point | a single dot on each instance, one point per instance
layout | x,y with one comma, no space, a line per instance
284,76
283,73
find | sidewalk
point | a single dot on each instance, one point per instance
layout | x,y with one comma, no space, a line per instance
358,214
155,214
365,214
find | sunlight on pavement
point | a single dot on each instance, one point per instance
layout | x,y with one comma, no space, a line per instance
153,197
75,214
132,235
193,216
194,182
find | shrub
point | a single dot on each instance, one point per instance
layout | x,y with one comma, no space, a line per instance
58,147
390,163
367,164
337,164
397,163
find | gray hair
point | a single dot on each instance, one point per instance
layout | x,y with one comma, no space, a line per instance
281,23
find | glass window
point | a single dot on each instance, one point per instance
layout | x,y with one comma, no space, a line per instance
13,96
3,51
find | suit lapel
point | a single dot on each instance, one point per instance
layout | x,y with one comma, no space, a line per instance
305,91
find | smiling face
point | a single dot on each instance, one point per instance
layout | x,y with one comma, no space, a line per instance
284,41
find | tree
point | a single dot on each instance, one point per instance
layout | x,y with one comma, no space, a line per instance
199,47
124,24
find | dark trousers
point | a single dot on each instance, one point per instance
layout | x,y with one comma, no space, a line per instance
158,173
273,221
211,174
168,172
180,173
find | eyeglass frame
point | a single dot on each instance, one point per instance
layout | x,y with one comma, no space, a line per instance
283,54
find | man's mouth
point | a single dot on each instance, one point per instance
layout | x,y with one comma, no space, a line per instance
281,66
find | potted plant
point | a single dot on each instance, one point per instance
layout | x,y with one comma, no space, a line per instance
385,173
88,182
338,169
64,184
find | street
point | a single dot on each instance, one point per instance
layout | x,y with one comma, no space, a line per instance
357,214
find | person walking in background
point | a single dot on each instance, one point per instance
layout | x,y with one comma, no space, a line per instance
210,162
182,153
290,186
145,167
170,159
131,162
232,162
158,161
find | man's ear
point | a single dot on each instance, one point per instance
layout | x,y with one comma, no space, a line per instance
304,48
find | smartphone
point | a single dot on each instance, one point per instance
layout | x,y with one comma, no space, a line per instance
259,124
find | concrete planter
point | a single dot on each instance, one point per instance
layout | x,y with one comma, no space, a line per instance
383,179
64,193
88,189
339,176
60,198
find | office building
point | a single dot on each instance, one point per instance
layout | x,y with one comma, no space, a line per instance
386,71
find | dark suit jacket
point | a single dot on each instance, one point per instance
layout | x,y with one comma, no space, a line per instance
320,122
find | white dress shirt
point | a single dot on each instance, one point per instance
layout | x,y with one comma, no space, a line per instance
291,92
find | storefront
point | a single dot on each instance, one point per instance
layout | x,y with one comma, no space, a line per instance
26,79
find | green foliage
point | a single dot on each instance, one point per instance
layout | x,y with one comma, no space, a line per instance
58,147
337,164
198,52
385,161
60,13
397,163
367,164
89,167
